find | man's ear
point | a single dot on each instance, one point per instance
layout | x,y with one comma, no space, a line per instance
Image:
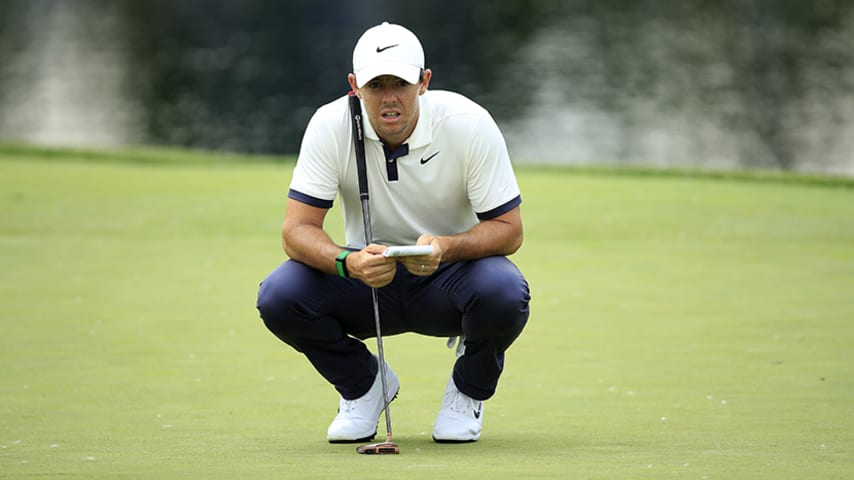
425,81
351,79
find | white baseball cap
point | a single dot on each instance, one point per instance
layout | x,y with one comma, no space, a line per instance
387,49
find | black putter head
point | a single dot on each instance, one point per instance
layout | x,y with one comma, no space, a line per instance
384,448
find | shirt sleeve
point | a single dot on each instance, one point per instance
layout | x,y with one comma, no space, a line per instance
492,186
315,178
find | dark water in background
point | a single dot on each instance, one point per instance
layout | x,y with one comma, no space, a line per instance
727,84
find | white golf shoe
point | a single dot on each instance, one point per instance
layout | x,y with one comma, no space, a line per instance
357,419
460,417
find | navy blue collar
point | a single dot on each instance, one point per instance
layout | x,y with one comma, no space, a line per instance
391,160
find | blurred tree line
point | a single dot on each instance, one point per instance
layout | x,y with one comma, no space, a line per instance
774,79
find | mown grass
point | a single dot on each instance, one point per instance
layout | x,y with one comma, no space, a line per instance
682,326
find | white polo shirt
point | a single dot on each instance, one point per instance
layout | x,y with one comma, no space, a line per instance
453,171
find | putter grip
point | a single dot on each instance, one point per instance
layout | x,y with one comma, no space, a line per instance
359,144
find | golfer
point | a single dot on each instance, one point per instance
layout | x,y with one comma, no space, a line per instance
438,174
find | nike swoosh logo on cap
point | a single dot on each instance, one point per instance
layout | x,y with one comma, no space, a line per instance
425,160
380,50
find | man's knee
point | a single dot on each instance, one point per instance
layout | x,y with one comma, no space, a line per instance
295,302
277,301
501,295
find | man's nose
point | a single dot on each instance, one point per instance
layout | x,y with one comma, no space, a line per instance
388,94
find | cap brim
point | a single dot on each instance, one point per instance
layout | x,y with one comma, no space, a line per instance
410,73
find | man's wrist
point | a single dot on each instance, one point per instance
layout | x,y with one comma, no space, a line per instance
341,264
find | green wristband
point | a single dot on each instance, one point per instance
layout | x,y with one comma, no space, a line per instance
341,264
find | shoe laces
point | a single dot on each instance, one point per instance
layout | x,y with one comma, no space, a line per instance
347,406
462,403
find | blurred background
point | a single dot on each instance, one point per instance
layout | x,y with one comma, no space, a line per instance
667,83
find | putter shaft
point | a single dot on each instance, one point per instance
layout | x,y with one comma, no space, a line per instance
361,170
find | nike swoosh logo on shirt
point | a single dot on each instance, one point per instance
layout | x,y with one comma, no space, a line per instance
380,50
425,160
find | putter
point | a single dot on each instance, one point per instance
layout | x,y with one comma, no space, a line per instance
387,447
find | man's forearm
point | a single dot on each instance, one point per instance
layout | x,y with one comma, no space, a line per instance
488,238
312,246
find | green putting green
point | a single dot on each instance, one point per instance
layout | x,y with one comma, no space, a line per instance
682,326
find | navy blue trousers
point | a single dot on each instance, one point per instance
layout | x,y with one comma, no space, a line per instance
326,318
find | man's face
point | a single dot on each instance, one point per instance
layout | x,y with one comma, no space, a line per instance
392,106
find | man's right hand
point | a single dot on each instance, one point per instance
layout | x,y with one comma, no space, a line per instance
371,267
